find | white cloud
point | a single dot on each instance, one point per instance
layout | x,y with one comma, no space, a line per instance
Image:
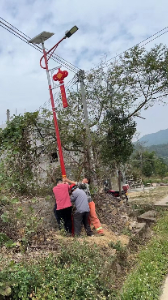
105,27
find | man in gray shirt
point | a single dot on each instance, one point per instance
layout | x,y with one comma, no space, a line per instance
79,198
94,220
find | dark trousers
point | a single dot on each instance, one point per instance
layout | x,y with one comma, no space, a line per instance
55,213
79,219
64,216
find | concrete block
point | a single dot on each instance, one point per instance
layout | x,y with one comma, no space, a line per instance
148,216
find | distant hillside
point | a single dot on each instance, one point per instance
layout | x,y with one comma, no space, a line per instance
158,138
161,151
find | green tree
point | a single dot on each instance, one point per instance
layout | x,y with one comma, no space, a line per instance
117,141
161,167
149,163
139,78
145,161
20,149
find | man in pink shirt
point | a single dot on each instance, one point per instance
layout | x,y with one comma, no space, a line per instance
63,205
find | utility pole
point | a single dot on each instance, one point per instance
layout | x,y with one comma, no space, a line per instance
81,77
8,115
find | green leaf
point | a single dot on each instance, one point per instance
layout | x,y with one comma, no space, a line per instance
6,292
15,200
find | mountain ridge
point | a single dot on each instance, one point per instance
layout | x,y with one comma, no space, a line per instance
157,138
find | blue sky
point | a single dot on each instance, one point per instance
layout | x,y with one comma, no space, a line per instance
106,27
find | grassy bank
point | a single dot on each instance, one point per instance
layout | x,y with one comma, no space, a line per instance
77,271
146,279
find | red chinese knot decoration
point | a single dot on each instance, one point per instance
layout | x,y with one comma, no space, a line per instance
60,77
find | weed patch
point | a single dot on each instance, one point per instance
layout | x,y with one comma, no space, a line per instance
145,280
76,273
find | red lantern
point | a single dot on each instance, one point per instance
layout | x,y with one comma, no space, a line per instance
60,77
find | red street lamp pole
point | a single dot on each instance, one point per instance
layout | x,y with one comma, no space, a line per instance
40,39
53,110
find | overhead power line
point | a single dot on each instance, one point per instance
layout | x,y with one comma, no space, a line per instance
25,38
22,36
149,40
141,42
155,37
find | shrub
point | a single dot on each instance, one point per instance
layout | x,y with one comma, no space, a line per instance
74,274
